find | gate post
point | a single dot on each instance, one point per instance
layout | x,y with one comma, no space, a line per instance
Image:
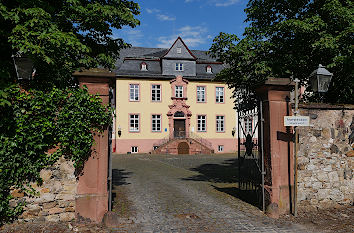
276,149
92,193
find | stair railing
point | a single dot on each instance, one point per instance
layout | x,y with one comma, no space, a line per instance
201,140
162,141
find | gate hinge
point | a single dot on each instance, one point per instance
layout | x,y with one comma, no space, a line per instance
263,173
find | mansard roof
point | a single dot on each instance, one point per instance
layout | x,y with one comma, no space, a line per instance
128,65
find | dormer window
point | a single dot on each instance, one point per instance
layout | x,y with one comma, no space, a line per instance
143,66
179,66
209,70
179,50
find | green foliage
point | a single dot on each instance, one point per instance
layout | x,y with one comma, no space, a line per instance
287,38
62,36
37,121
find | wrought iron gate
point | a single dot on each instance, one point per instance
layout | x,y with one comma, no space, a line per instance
250,152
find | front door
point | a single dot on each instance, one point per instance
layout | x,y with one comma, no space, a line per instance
179,128
183,148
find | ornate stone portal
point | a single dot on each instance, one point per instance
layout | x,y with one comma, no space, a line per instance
177,107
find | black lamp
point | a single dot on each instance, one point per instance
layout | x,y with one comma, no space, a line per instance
119,131
320,79
24,67
233,131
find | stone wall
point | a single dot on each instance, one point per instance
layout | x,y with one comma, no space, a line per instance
55,200
325,157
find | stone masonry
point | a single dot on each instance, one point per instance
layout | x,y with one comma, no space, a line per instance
325,157
171,147
55,198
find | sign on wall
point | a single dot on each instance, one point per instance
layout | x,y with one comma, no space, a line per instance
296,121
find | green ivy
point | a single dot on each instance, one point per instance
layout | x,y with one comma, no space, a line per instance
33,122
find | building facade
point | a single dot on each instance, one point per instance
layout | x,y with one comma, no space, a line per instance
168,96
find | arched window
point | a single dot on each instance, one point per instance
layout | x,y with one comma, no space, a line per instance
179,114
209,70
143,66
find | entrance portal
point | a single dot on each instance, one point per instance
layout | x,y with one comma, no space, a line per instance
183,148
179,128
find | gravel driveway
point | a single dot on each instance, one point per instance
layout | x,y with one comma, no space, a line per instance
189,193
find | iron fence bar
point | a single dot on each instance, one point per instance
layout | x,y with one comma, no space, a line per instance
110,130
110,178
239,150
255,127
262,152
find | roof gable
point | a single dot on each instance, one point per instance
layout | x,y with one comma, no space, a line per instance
179,50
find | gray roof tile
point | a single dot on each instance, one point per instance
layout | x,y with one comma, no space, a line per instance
128,65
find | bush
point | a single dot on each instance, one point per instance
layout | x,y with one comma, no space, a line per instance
33,122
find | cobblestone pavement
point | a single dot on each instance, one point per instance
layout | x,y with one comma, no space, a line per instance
165,193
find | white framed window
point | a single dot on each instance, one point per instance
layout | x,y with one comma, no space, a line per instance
248,126
220,148
134,92
156,93
209,70
179,66
134,149
179,50
179,91
220,123
219,94
134,122
143,66
156,123
201,123
201,94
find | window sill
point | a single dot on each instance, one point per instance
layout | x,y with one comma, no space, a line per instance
179,98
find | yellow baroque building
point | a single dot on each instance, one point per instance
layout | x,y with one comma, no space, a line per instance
167,101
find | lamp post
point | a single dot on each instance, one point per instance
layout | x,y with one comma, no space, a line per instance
320,80
24,67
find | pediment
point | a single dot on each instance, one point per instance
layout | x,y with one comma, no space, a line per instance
179,50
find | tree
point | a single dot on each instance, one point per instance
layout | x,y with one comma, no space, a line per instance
287,38
51,112
62,35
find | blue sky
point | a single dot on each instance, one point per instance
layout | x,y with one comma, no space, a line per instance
196,21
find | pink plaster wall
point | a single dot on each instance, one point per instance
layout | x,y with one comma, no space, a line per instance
230,144
145,145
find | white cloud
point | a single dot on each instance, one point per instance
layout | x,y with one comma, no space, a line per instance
218,3
165,17
132,36
152,11
225,2
192,36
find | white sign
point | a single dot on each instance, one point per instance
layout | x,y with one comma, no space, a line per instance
296,121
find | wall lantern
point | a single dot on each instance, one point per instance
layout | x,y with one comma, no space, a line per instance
320,79
233,131
119,131
24,67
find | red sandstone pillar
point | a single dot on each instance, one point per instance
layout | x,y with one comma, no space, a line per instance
277,149
92,194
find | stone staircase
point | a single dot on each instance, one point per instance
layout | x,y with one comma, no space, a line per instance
191,145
